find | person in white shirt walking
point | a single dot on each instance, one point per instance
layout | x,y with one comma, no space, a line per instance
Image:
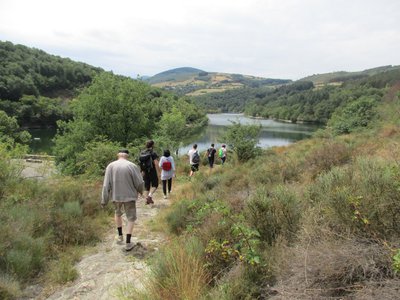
167,166
123,183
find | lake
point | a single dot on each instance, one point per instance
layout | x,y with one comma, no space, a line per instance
272,133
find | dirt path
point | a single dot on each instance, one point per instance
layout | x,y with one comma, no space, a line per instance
109,267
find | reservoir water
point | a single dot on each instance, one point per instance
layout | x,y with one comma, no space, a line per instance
272,133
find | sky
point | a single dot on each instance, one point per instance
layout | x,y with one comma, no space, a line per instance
287,39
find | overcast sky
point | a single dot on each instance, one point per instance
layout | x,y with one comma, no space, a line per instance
269,38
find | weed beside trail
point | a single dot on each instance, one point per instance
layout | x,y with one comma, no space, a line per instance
41,221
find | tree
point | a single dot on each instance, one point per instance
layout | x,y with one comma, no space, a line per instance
10,132
243,139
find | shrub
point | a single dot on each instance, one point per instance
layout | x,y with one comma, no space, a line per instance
179,216
363,198
243,140
26,256
66,229
273,214
177,273
353,115
335,268
62,271
94,159
324,158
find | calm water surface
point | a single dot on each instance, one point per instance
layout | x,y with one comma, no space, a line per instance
272,133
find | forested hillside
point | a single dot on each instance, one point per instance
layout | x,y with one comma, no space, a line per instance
338,77
301,101
34,85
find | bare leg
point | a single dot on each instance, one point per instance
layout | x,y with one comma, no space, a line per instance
118,221
129,227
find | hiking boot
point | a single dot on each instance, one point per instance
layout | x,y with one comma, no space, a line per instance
120,239
149,200
129,246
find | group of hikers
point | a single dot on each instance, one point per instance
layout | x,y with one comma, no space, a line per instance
194,157
124,181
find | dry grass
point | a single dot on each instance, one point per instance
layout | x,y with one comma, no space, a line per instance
333,268
177,273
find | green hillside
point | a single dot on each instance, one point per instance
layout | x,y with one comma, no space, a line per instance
343,76
195,82
35,85
178,74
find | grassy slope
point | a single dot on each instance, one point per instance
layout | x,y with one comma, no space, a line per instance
333,77
326,212
190,81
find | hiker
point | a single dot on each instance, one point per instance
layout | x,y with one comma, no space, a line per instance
122,183
194,160
222,153
148,162
167,166
210,153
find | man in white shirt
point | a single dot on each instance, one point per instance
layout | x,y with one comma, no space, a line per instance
123,183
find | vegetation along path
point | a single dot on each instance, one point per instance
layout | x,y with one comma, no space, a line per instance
109,268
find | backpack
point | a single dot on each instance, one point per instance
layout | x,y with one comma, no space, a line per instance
210,152
221,152
166,165
146,160
196,158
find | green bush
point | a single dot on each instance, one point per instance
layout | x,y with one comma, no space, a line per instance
94,159
274,213
179,216
353,115
243,139
363,198
26,256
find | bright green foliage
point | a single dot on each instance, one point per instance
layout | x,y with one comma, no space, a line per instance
10,132
396,262
354,115
120,111
97,155
243,139
33,82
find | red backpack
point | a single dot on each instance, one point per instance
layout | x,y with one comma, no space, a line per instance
166,165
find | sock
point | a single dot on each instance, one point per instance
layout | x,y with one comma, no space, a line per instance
119,230
128,238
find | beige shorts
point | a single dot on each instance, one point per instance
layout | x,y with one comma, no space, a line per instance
128,207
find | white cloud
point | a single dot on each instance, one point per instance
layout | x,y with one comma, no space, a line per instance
270,38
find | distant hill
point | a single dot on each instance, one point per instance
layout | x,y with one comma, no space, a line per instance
342,76
178,74
195,82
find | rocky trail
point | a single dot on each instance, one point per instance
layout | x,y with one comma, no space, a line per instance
109,267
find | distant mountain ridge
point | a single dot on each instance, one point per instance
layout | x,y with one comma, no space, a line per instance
342,76
194,82
173,74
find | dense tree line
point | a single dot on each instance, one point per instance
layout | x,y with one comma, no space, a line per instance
32,83
124,112
301,101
